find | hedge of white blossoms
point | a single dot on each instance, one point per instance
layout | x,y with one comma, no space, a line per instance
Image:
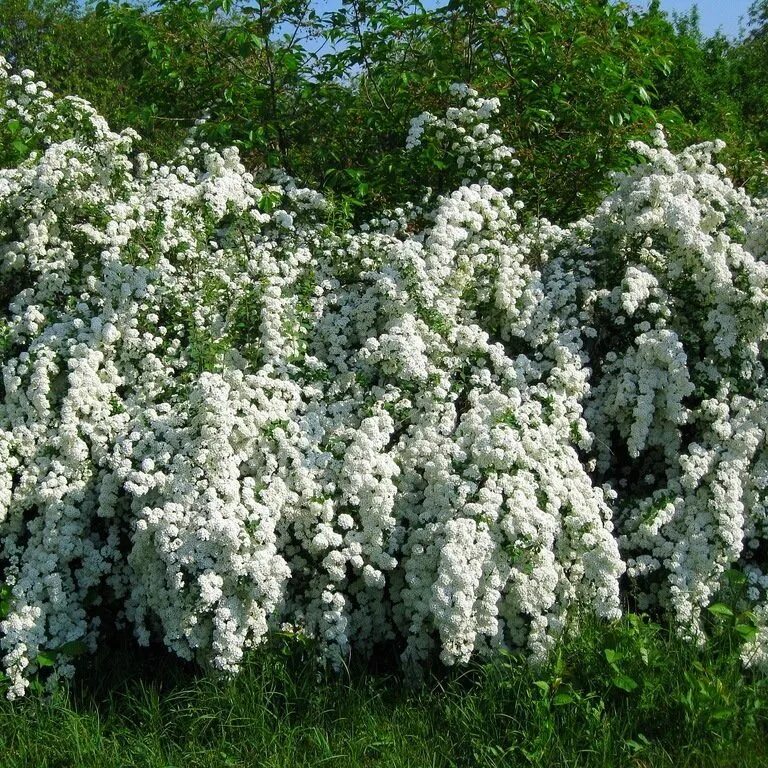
218,415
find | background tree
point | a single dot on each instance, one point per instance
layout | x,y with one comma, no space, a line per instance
329,95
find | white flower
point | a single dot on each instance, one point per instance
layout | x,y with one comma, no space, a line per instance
403,432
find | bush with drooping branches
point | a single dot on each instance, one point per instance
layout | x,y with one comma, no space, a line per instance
675,326
220,413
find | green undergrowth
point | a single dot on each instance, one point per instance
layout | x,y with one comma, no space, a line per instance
626,694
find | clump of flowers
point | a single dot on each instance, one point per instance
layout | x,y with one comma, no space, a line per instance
673,312
220,417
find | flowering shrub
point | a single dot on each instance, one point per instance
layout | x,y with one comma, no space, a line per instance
675,320
220,415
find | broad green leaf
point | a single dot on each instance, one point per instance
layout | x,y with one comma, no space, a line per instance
624,682
72,648
747,631
721,610
46,658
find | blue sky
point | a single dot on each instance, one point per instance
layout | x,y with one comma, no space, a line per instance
714,13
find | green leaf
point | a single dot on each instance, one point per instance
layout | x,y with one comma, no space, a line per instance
734,577
624,682
72,648
747,631
721,610
612,656
638,744
46,658
561,699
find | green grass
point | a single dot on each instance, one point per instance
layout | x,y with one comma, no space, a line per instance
628,694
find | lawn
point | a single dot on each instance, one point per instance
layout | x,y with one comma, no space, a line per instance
615,695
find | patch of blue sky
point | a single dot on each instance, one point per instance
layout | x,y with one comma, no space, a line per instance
727,16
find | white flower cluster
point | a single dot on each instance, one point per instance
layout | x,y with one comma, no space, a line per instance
464,135
220,417
674,317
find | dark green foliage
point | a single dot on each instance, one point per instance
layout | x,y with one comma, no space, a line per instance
68,46
717,88
329,95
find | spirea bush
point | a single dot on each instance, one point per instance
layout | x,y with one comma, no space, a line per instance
450,430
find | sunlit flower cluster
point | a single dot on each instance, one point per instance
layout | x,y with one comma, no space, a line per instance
464,134
675,321
219,416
